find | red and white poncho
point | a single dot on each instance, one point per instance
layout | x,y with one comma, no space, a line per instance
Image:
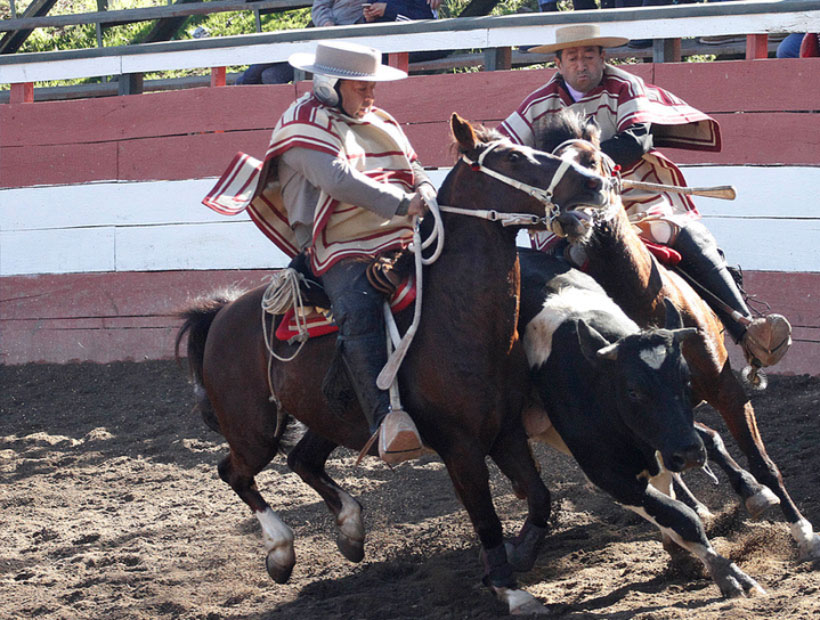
620,101
375,146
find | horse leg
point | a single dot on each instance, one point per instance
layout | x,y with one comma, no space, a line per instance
471,480
739,415
688,498
512,454
277,535
307,459
756,497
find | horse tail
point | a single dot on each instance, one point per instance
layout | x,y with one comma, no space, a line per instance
197,319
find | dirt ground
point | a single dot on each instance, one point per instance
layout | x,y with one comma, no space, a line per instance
112,508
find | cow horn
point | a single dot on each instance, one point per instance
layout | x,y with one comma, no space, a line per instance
609,352
683,333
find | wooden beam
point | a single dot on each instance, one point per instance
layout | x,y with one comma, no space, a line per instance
498,59
147,14
130,84
757,46
15,37
666,50
217,76
399,60
22,93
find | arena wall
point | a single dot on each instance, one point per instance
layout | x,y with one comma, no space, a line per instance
103,237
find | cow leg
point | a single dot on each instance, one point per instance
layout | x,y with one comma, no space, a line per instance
512,454
756,497
739,415
471,480
681,524
278,537
307,459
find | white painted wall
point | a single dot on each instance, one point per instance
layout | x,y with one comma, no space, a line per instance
774,225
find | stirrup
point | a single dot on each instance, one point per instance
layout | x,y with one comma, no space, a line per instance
767,339
398,438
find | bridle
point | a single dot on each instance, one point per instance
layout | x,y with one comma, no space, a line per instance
544,196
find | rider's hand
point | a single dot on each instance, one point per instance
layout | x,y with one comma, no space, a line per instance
417,205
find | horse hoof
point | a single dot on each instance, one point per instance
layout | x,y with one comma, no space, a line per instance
734,583
520,603
279,571
351,548
761,501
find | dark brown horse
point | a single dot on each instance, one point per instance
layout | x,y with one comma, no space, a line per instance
463,381
630,274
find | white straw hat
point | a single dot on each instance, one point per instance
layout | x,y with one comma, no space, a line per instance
346,61
580,35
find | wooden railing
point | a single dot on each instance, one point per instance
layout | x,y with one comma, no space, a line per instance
495,35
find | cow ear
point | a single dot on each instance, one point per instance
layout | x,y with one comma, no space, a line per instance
674,320
593,345
463,133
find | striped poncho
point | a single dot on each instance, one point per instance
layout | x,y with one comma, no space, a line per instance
620,101
374,145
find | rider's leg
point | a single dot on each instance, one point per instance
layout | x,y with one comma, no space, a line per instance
357,309
764,340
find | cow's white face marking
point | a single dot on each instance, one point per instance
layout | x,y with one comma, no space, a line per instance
654,357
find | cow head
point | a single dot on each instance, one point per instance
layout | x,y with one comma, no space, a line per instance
650,379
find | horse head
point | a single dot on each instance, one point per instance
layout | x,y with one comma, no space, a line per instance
651,380
520,178
571,136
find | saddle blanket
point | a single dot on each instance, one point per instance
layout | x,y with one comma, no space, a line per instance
319,321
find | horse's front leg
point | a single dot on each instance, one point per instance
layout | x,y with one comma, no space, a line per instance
756,497
679,523
307,459
512,454
471,480
739,415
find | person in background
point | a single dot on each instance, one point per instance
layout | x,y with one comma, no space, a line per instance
393,10
634,118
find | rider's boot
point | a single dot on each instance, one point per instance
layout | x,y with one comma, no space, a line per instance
397,436
765,339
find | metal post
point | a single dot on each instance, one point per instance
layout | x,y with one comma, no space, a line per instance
666,50
129,84
498,59
258,20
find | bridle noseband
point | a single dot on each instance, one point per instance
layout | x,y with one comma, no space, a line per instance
544,196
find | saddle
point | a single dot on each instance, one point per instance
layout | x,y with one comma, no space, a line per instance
388,273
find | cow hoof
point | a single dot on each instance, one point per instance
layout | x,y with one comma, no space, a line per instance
734,583
351,548
811,551
761,501
520,603
280,565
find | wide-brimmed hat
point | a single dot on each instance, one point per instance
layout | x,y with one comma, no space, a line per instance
580,35
346,61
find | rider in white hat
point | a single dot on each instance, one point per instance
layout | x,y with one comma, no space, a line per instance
634,118
342,184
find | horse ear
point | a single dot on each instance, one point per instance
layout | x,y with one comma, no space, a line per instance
592,132
673,318
593,345
464,133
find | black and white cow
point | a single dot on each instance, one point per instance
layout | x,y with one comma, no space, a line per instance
619,398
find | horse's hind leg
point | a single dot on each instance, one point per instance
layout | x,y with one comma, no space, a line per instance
277,535
307,459
513,456
756,497
739,415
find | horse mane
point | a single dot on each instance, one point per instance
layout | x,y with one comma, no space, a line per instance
552,129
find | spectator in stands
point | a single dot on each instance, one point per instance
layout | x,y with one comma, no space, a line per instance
790,46
634,117
323,13
393,10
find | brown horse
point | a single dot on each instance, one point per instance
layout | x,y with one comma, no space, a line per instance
464,378
630,274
